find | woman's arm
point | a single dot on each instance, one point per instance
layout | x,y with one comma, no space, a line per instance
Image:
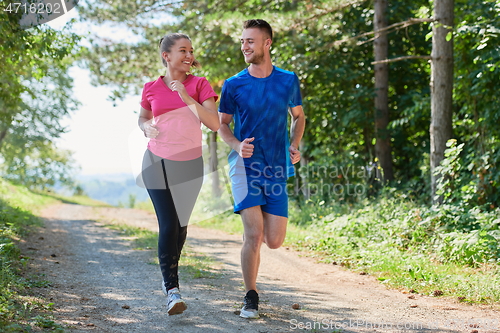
145,123
206,112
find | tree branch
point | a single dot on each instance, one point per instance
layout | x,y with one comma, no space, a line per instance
385,61
160,6
395,26
326,12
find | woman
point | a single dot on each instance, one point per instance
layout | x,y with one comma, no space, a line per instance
172,110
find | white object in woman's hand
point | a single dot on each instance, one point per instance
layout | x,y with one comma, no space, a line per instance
150,130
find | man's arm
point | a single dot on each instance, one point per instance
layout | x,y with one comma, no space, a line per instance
243,148
297,128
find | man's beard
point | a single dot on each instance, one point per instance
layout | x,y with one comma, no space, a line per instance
256,58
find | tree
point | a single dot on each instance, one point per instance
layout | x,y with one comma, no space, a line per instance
328,44
35,96
336,79
383,143
214,164
441,84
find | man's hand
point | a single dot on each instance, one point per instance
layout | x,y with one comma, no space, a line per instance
246,148
294,154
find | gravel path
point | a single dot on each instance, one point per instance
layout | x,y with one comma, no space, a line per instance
101,284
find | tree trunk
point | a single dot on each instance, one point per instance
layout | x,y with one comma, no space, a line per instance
214,164
380,50
441,85
2,136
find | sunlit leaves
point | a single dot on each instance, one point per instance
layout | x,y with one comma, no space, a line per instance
336,77
35,95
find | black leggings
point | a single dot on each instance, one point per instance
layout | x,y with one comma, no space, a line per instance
173,187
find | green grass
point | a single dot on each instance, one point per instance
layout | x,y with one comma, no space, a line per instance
227,221
143,239
408,270
399,242
145,205
77,200
198,266
22,198
192,265
19,311
409,247
465,284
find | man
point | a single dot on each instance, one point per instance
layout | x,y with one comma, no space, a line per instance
259,99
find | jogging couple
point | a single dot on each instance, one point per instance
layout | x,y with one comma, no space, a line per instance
257,101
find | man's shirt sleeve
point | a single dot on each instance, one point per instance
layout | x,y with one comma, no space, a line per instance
295,97
227,103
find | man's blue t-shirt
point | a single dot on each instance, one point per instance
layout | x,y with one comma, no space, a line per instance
260,109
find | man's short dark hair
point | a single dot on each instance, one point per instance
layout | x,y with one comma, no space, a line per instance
260,24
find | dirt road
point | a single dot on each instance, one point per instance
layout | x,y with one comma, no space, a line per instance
101,284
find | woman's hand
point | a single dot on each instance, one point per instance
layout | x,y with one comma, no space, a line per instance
177,85
149,129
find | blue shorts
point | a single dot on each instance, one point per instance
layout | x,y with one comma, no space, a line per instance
248,192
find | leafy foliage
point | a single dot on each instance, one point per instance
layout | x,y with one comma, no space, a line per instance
35,95
16,218
477,75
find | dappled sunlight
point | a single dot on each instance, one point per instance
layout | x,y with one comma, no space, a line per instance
122,320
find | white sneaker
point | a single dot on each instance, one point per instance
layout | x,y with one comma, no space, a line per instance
175,303
251,308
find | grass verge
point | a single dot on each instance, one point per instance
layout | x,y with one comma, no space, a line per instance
19,310
411,247
192,265
77,200
403,245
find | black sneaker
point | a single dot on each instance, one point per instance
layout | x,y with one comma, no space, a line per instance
251,307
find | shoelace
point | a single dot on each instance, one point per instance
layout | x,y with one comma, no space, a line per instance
174,296
251,303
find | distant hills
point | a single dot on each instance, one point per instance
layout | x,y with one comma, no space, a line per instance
122,190
115,189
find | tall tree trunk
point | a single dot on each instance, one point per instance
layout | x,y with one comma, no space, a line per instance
441,84
2,136
214,164
383,143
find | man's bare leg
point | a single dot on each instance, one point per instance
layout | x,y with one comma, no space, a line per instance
253,223
274,230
